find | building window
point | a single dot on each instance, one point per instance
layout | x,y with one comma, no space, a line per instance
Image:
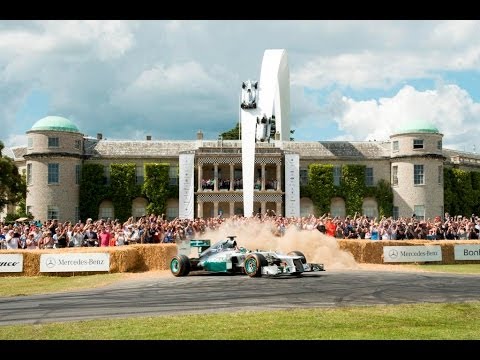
53,142
53,173
439,144
106,212
172,213
337,174
30,142
173,174
394,175
29,174
395,146
78,144
418,144
139,176
418,175
106,175
369,176
77,174
138,212
77,214
52,212
395,213
303,177
419,211
440,173
370,208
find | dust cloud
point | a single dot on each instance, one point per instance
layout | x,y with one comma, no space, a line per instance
254,234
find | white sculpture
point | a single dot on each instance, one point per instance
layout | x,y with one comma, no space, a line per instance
270,96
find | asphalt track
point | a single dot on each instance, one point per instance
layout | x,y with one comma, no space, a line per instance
209,293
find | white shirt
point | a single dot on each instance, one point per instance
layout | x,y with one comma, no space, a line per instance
11,242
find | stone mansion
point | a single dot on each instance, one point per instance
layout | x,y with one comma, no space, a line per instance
412,161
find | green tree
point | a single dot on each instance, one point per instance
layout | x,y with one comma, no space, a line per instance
92,190
13,187
123,189
156,187
232,134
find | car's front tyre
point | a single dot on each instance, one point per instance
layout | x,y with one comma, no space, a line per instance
180,265
253,265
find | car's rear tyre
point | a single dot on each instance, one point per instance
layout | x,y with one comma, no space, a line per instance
253,264
180,265
298,253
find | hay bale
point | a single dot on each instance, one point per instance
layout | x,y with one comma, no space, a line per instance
353,246
31,262
155,256
124,259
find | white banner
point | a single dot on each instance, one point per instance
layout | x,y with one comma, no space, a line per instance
292,185
186,186
75,262
423,253
11,263
467,252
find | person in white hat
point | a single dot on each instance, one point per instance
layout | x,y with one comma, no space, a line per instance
11,239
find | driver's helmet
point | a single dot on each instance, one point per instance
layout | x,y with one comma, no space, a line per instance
229,244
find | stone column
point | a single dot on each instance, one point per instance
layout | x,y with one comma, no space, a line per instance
279,208
215,208
263,206
263,178
215,180
200,176
199,209
279,178
232,208
232,174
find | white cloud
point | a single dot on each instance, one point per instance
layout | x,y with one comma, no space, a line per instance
439,46
15,140
449,108
382,70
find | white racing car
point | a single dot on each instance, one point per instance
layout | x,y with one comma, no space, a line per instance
249,94
225,257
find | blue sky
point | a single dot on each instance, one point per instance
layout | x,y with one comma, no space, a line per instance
350,80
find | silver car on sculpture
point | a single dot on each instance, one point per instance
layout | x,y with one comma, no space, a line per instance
226,257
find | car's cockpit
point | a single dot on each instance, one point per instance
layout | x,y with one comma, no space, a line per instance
222,245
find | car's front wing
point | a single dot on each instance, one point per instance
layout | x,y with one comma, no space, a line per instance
291,270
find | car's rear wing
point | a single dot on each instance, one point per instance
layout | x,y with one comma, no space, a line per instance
184,247
202,245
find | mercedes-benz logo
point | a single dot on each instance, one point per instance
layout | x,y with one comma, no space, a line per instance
393,254
50,262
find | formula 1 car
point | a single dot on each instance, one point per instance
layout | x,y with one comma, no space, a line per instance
226,257
249,94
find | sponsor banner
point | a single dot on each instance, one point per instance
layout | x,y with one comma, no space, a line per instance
422,253
75,262
467,252
11,263
186,186
292,185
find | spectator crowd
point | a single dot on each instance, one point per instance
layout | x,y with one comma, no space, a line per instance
154,229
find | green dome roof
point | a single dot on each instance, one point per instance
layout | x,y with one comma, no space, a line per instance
56,123
417,127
